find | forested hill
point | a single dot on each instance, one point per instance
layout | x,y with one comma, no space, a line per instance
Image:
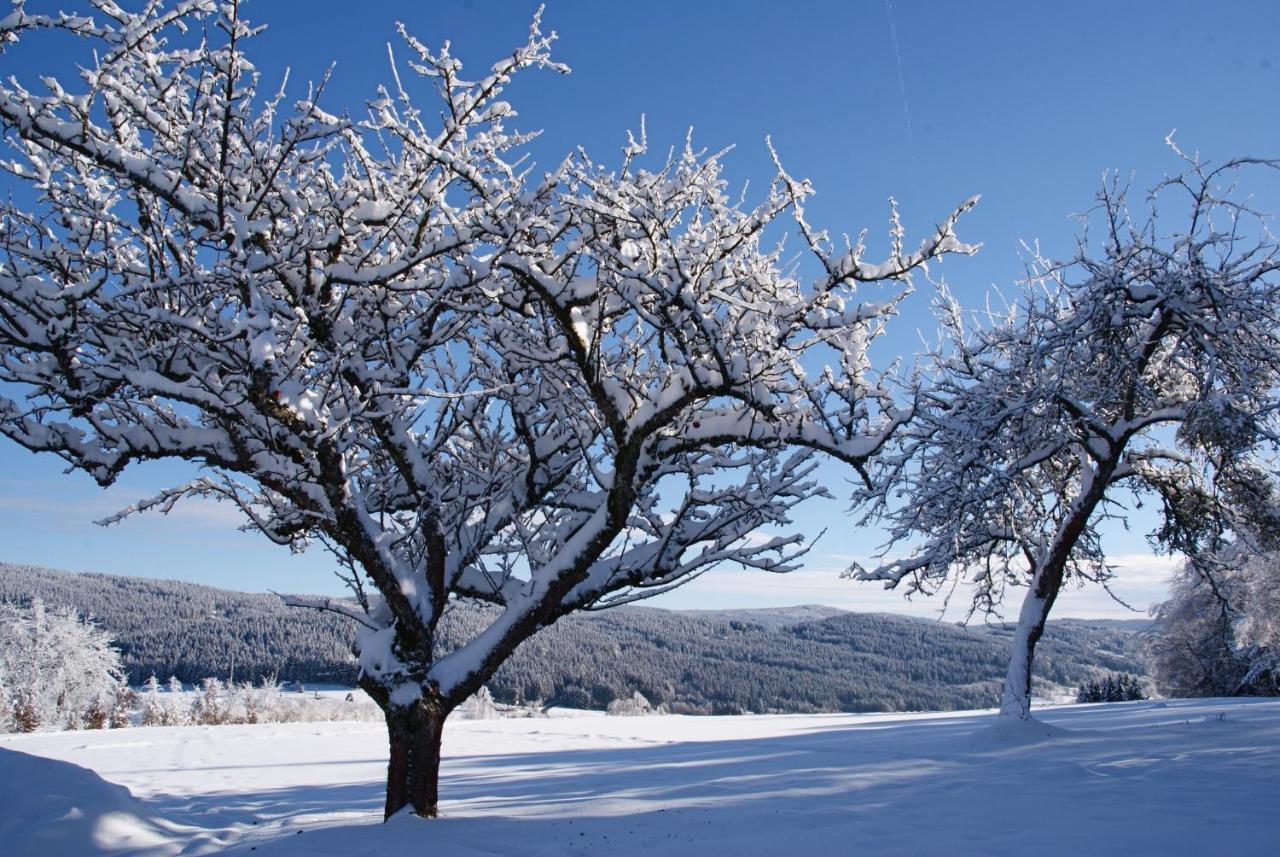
168,627
787,659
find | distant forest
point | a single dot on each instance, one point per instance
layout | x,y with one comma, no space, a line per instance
804,659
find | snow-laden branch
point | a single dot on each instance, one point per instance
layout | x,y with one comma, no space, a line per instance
328,605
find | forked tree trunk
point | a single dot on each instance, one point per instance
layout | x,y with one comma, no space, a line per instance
413,772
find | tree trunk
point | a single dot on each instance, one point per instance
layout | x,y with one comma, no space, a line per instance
413,772
1016,700
1045,586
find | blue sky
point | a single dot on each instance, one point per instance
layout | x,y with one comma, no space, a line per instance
1025,103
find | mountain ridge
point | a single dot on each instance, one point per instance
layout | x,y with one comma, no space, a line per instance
772,659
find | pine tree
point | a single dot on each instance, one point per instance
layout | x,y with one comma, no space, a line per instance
152,710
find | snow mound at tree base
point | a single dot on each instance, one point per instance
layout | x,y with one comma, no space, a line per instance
1006,732
57,809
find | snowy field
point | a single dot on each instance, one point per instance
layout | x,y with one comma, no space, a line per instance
1159,778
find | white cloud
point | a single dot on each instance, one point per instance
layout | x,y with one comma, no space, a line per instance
1140,581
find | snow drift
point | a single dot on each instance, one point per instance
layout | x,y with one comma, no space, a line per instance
56,809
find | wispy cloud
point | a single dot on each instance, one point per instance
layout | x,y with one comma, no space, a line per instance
56,505
1141,580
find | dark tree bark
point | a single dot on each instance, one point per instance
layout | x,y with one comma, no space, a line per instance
413,768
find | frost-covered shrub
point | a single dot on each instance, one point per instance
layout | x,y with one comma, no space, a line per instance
153,711
121,714
215,703
634,706
57,671
180,707
210,707
479,706
169,705
260,704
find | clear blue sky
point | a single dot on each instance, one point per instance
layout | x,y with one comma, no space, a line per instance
1025,103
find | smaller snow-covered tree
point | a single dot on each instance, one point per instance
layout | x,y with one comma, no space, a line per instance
480,706
210,706
263,704
1218,634
1193,651
178,708
634,706
1148,363
1259,628
153,710
57,670
121,714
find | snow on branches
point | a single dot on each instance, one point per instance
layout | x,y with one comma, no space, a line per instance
1147,362
58,670
1218,634
548,392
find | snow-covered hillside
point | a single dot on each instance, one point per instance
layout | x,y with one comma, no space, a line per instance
1167,778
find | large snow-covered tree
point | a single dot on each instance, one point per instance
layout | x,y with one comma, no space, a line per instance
1147,364
549,392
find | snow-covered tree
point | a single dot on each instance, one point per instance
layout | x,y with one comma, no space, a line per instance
549,392
1146,364
211,703
1193,648
480,706
1258,632
635,705
57,670
1218,634
154,710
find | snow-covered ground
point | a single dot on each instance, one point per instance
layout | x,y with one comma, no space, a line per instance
1167,778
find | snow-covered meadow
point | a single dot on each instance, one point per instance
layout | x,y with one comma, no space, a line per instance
1161,777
